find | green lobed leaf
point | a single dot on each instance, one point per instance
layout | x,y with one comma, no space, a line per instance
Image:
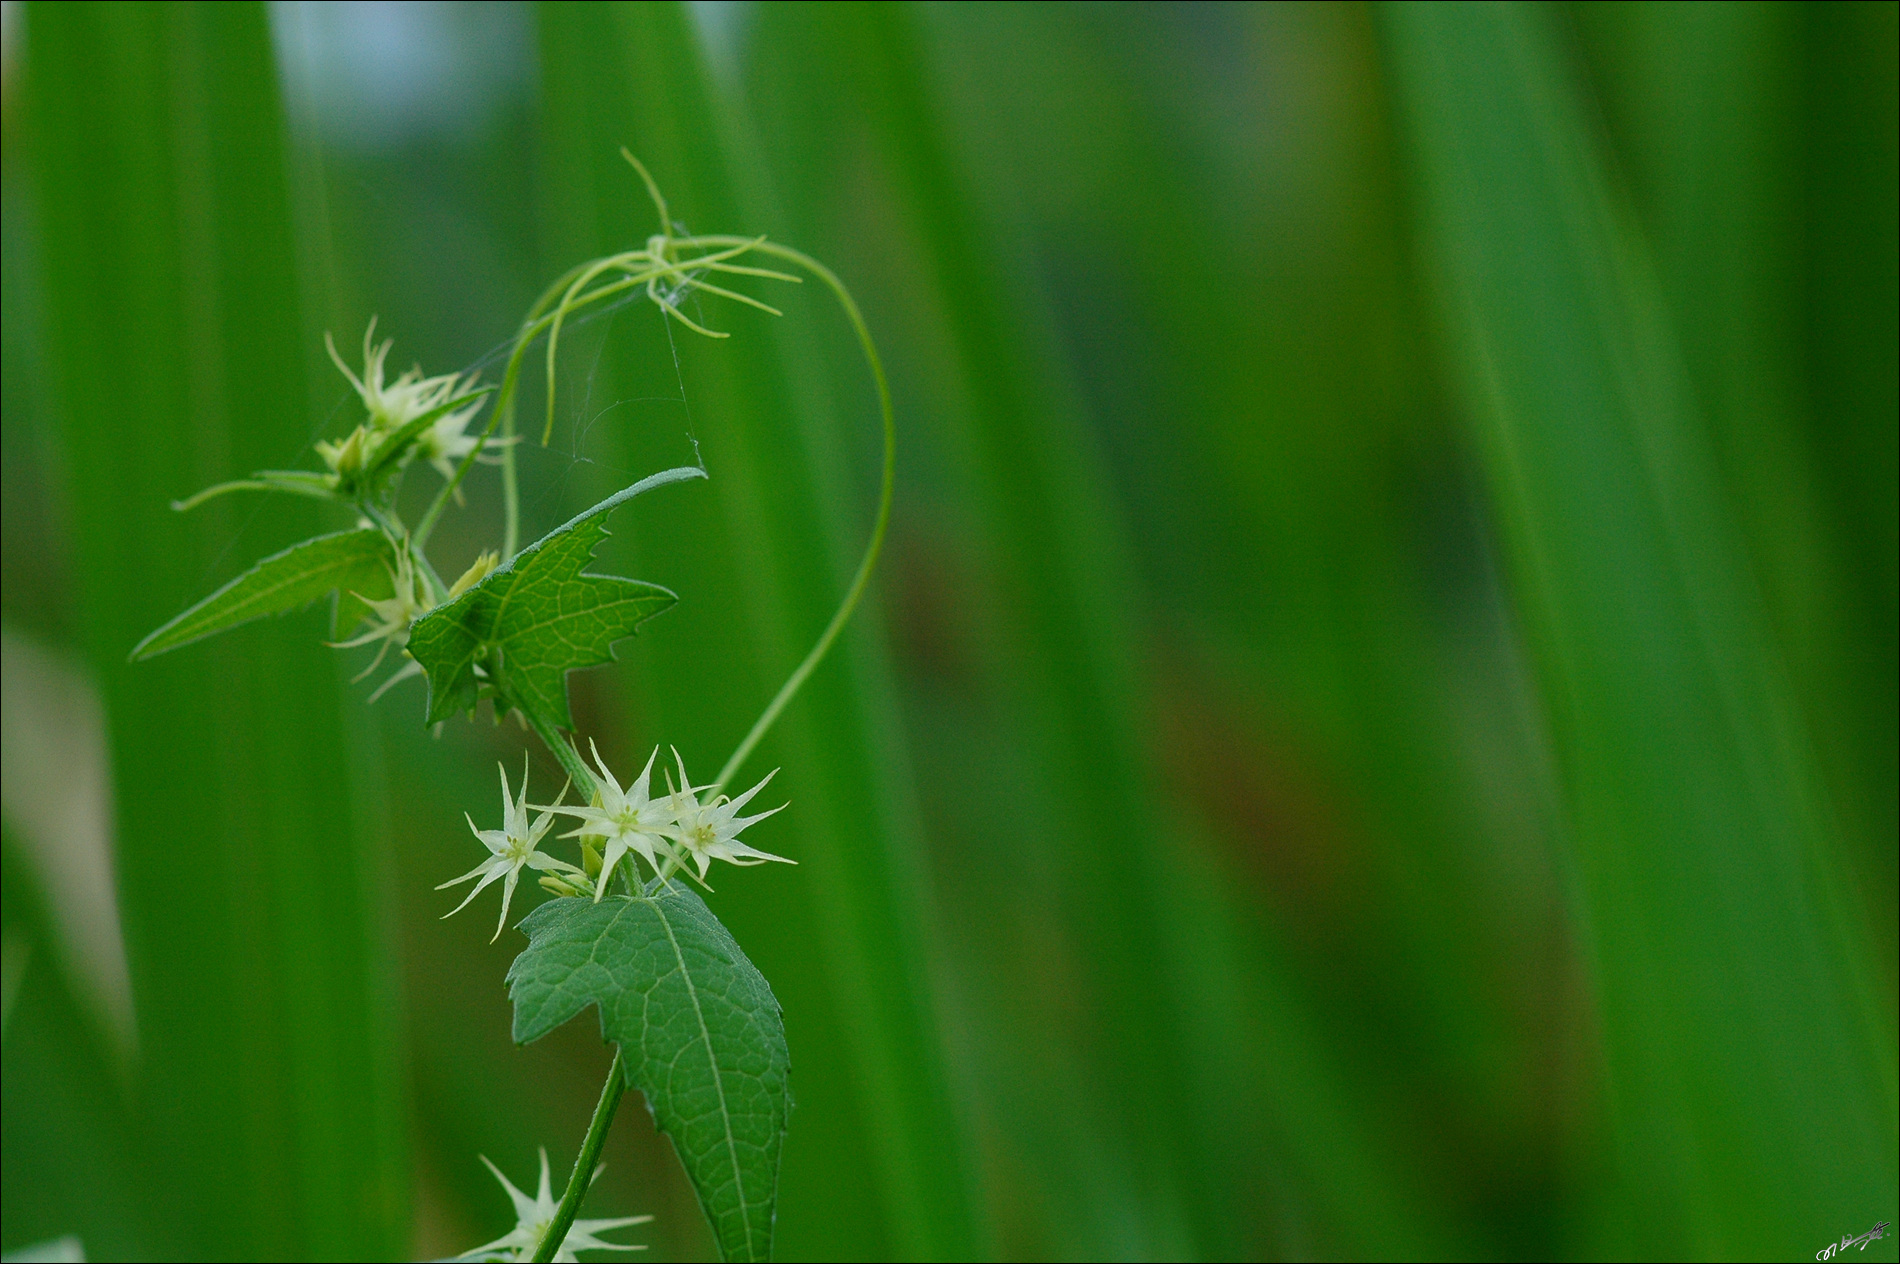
284,581
699,1029
537,618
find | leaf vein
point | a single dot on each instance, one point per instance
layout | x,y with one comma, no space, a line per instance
719,1082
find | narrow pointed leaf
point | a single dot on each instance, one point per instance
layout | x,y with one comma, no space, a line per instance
284,581
700,1029
538,618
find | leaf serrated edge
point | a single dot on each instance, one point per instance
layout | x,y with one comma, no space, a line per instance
552,918
678,474
439,701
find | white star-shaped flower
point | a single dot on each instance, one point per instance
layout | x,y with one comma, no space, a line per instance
709,831
513,849
534,1215
623,820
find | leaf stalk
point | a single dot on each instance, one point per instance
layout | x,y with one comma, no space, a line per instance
582,1176
569,759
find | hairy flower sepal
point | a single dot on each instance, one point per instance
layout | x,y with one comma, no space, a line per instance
511,848
534,1215
362,464
410,395
699,1033
413,412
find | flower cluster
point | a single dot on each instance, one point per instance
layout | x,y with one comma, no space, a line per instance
673,832
533,1216
392,406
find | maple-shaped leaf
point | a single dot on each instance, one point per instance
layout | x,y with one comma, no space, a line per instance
537,618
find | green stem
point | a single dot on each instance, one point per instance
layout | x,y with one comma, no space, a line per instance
582,1175
250,485
568,757
393,529
510,489
436,506
438,591
863,578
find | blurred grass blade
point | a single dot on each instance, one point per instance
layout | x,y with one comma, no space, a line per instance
257,951
1114,1129
1752,1079
70,1164
1852,163
1014,183
874,1160
1705,106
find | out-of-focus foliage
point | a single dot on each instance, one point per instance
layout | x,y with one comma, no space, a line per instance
1747,1095
1375,734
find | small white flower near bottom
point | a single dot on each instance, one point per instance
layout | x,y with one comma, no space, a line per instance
534,1215
513,849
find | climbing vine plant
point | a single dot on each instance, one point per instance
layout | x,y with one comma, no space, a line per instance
694,1025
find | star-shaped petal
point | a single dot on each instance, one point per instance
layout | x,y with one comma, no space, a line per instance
511,848
708,831
624,820
394,405
532,1218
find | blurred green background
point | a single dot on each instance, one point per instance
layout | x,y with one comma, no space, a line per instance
1375,734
